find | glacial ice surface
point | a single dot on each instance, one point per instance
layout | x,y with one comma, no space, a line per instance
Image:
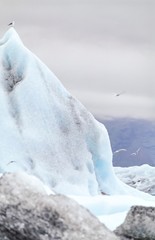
47,132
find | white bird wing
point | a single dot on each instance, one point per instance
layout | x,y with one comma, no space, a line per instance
133,154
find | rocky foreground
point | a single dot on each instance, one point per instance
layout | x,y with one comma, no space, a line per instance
138,225
28,213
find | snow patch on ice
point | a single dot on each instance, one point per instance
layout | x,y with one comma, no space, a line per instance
139,177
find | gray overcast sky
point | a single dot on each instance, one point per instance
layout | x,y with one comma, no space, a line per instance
95,47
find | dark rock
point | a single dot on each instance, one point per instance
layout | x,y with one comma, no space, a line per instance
138,225
27,213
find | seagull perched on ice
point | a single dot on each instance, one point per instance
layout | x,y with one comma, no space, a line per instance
11,24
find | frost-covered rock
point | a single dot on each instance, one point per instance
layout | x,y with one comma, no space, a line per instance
27,213
138,225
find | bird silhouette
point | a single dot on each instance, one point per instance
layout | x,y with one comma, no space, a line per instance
10,162
120,93
11,24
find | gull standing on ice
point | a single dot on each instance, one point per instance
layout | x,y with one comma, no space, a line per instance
11,24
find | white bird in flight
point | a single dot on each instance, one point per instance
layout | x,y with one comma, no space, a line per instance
137,151
120,150
11,24
120,93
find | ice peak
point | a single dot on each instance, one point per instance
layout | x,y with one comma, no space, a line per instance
10,35
45,130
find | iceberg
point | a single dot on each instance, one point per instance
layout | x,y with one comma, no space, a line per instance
47,132
44,130
50,140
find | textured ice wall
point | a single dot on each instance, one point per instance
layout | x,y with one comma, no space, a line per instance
46,131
